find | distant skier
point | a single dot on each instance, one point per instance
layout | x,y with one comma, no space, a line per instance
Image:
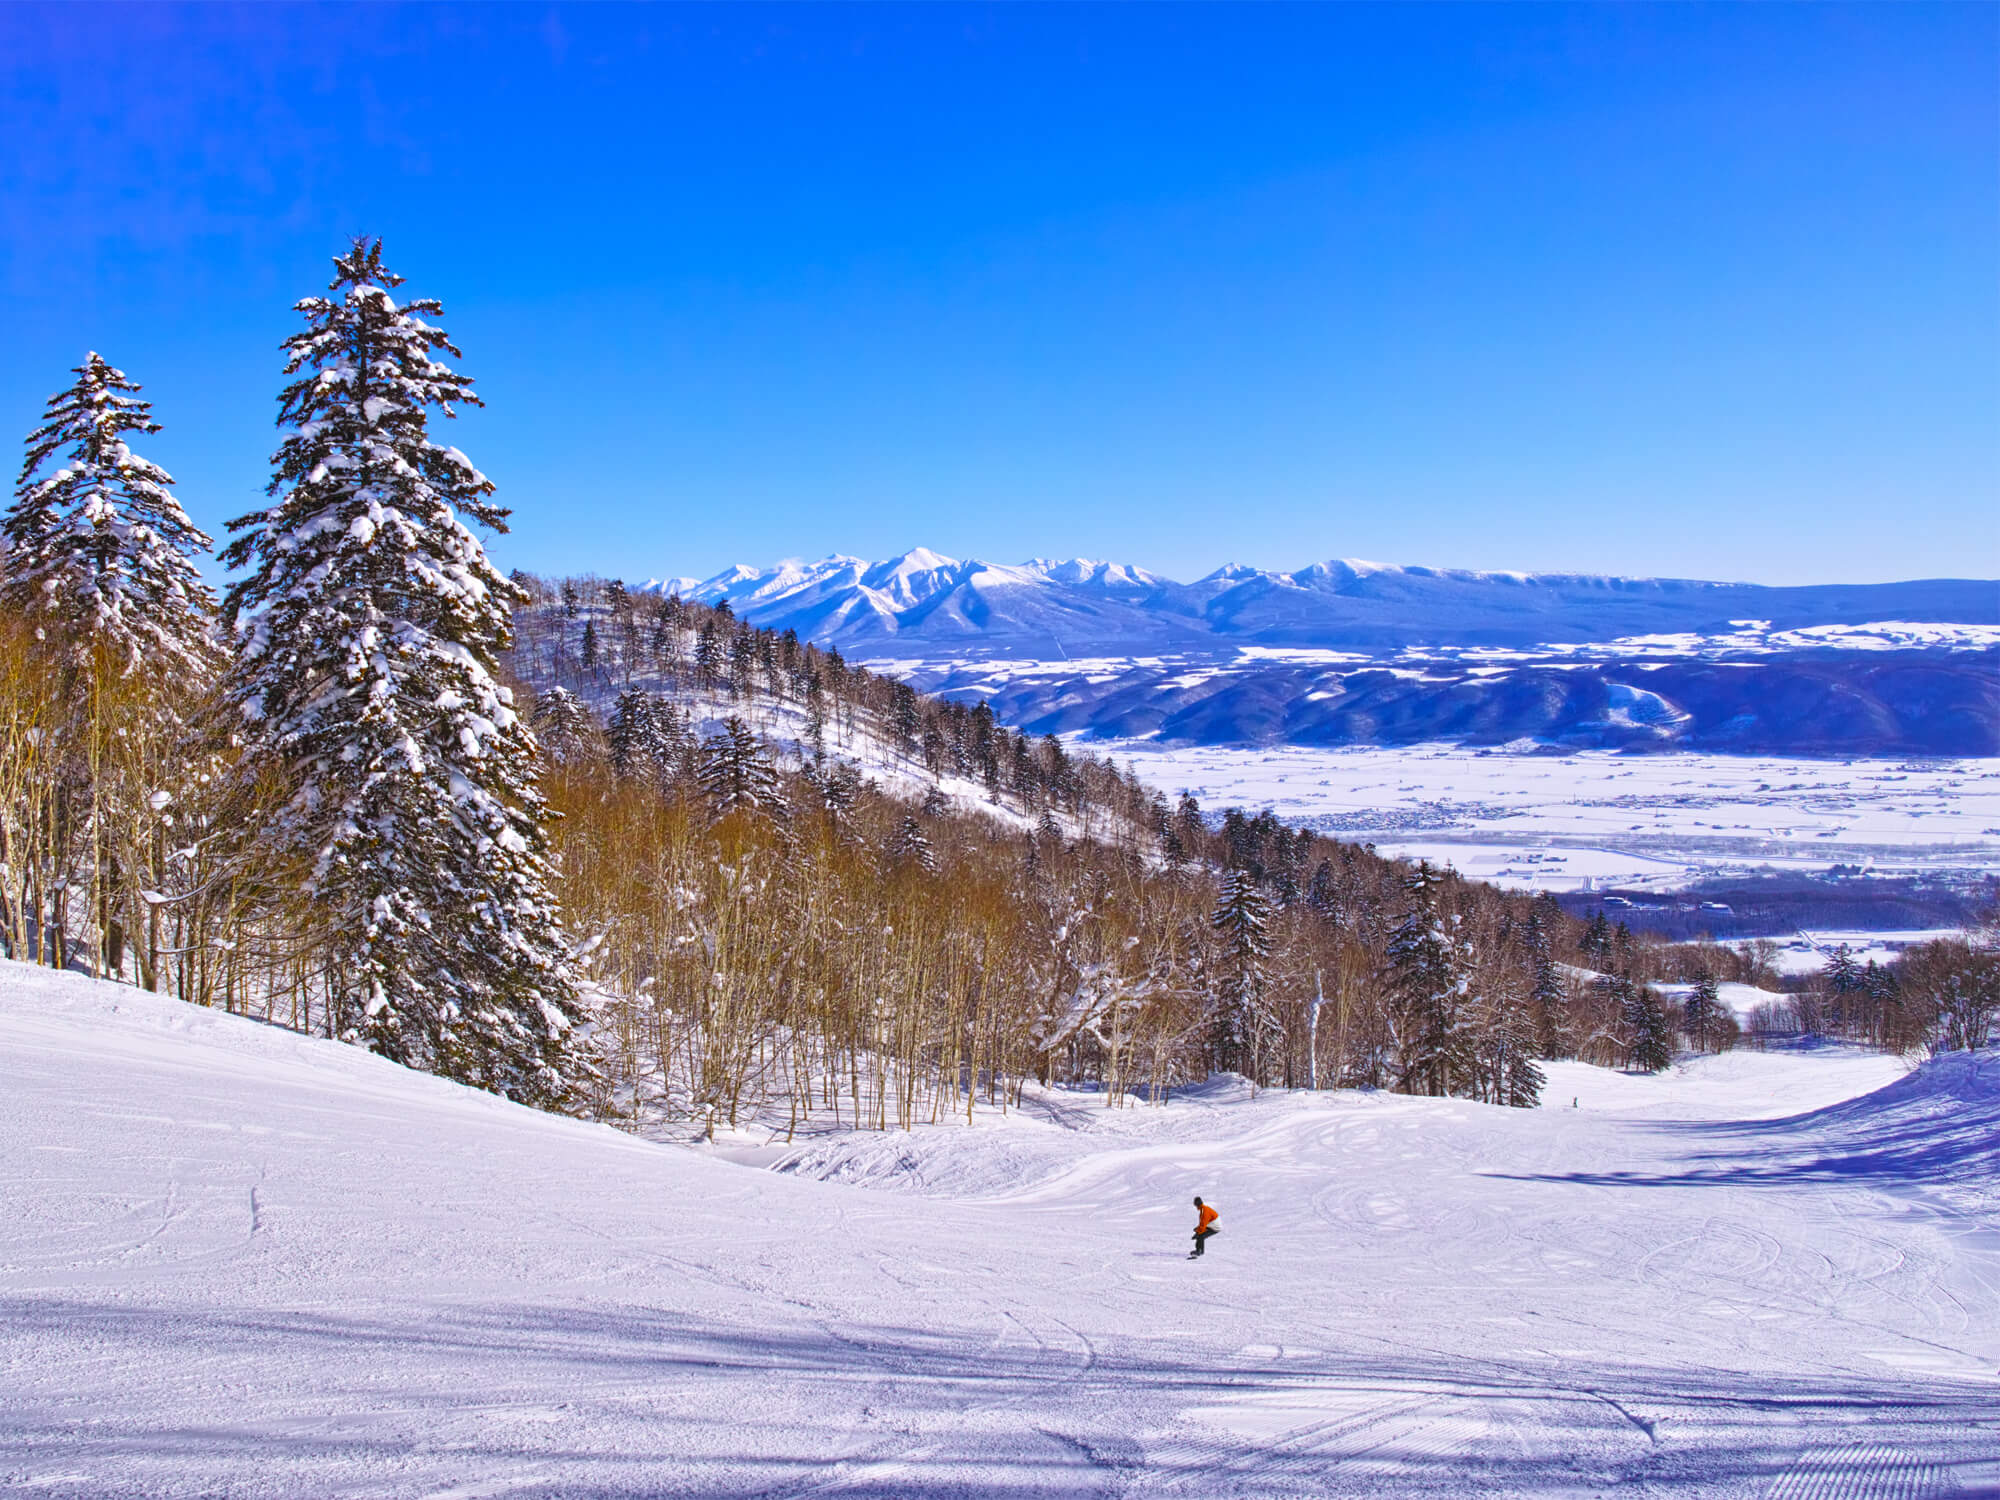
1204,1227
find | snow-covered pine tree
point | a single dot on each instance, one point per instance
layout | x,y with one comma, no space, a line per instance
1511,1056
734,774
669,735
708,655
1652,1035
566,729
1701,1012
742,657
1596,941
1242,923
1843,980
984,748
1504,1051
815,694
97,562
370,620
1430,986
839,789
666,640
1189,825
630,731
1285,883
99,556
1884,1006
1323,893
910,847
904,717
1548,1000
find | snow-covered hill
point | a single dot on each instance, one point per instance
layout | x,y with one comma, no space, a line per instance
1863,702
237,1261
925,602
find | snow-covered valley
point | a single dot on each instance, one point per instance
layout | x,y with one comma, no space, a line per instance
237,1261
1598,819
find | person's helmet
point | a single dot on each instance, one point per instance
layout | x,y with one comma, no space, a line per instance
1197,1200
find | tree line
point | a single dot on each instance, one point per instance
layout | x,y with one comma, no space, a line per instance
616,852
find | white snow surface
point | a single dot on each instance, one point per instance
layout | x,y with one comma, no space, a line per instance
235,1261
1597,818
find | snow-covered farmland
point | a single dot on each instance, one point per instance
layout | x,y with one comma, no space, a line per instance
1567,822
236,1261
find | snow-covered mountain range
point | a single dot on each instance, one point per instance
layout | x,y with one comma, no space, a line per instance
923,604
1351,652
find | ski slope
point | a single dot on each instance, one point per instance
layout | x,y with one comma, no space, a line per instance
234,1261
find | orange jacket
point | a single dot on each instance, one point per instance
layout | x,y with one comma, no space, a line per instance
1208,1217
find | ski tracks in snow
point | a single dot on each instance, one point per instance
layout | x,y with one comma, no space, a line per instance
236,1262
1860,1471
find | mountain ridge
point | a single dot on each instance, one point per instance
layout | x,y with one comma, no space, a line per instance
1052,608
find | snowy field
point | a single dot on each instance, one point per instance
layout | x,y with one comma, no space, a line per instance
238,1262
1568,822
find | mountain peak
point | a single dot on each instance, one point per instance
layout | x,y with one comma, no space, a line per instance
920,560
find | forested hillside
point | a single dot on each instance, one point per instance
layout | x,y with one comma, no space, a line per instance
917,902
624,855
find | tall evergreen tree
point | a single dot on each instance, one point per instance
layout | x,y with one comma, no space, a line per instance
97,559
1596,942
903,715
1242,924
1430,984
742,657
1701,1012
565,727
99,556
735,776
666,643
646,736
1652,1049
1548,1000
815,694
1189,825
708,654
370,620
1026,778
1845,984
1323,892
1505,1044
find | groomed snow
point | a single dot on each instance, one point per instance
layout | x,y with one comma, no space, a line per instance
238,1262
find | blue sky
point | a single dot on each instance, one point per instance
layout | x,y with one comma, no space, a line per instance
1671,290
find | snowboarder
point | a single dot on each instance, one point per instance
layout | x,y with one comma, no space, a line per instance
1204,1227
